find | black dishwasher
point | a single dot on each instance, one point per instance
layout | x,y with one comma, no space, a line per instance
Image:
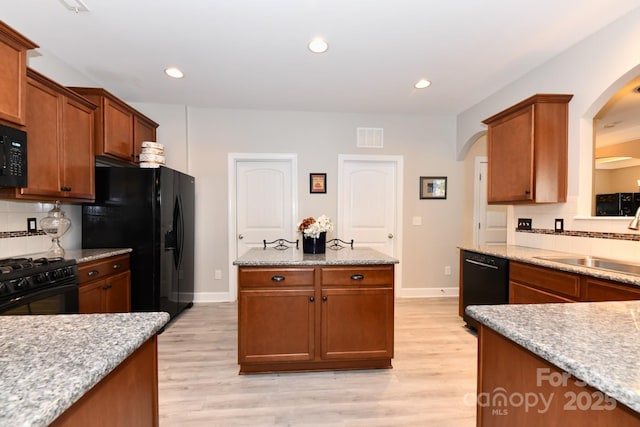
485,280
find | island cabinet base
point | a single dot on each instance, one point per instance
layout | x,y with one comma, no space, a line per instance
518,388
127,396
310,318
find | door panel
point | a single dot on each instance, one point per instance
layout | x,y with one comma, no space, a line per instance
264,203
491,227
368,203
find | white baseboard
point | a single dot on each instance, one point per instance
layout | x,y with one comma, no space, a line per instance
212,297
428,292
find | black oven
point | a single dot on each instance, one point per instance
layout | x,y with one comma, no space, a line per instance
41,286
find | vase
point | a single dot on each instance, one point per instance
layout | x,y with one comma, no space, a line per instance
312,245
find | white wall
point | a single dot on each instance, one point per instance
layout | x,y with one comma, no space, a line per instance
592,70
427,144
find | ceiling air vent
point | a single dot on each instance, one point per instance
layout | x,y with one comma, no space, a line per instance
370,138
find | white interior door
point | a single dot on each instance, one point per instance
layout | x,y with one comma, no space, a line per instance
263,199
490,220
370,203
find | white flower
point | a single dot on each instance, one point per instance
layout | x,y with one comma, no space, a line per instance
312,227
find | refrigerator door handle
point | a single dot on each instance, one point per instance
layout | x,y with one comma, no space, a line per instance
178,230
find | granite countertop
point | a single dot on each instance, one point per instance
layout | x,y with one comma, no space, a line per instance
293,256
85,255
598,343
47,363
529,255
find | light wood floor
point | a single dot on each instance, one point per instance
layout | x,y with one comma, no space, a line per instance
432,380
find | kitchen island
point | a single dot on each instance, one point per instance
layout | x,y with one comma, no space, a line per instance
308,312
558,364
93,369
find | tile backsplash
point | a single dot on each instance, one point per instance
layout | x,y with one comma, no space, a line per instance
14,239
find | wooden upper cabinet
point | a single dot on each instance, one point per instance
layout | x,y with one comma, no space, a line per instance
13,74
143,130
119,128
527,151
60,160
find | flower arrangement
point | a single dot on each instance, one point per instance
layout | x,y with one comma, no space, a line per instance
311,227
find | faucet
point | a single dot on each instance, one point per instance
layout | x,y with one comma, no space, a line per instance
635,222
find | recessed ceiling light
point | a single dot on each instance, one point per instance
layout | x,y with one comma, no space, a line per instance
422,83
318,45
174,72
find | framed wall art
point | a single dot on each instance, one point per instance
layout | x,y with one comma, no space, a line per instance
433,187
317,183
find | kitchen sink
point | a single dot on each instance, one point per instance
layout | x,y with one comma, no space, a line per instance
595,262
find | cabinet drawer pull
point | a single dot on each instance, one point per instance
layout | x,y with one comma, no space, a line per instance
278,278
357,277
324,298
311,299
117,266
65,188
93,273
107,286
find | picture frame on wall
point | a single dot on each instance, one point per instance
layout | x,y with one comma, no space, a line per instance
433,187
317,183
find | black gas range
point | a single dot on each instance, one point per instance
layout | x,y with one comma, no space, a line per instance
38,286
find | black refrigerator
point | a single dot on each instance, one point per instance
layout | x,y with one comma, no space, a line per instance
151,211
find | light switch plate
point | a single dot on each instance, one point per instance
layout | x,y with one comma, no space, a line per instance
524,223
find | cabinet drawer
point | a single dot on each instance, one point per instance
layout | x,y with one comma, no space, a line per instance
357,276
521,294
270,277
601,290
93,270
545,278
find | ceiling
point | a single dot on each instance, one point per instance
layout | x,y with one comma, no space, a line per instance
252,53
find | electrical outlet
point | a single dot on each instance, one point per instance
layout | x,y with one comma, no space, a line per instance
447,270
32,225
524,223
217,274
559,225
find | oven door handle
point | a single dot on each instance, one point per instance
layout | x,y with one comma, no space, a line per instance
481,264
36,295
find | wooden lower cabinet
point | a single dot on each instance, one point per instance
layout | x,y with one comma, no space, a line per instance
105,285
369,314
127,396
277,325
532,284
315,318
518,388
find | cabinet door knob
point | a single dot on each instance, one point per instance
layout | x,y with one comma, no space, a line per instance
324,298
357,277
92,273
527,192
278,278
107,286
240,237
311,299
390,235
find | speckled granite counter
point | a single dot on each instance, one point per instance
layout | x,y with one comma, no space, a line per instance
48,362
529,255
86,255
598,343
292,256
